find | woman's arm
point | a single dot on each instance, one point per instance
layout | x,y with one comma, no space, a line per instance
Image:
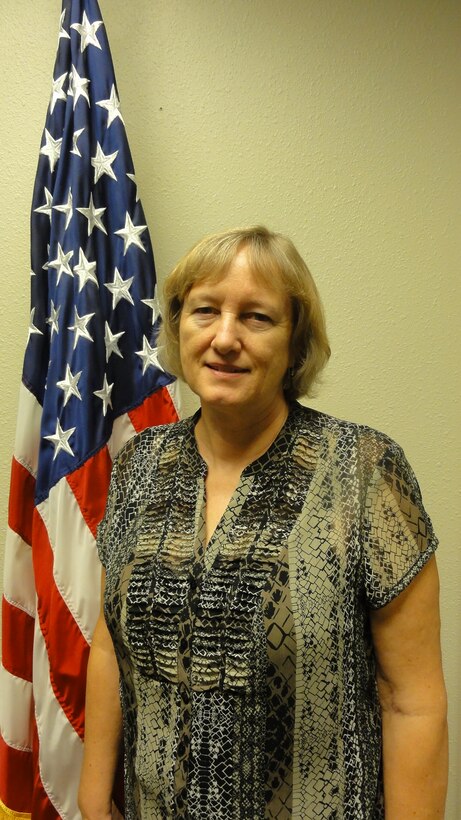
103,722
406,635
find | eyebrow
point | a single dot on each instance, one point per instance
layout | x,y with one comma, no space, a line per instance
204,294
209,296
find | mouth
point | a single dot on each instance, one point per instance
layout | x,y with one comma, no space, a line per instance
226,368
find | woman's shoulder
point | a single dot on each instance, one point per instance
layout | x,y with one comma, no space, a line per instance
359,457
150,441
343,435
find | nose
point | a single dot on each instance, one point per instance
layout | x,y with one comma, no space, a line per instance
226,338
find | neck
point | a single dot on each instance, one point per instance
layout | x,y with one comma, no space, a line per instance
233,439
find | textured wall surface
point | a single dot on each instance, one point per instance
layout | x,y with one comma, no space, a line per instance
336,122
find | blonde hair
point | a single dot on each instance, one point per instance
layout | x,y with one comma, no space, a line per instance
274,259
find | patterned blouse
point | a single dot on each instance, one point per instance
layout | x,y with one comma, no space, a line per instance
247,668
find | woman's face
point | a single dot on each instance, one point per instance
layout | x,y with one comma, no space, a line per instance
234,338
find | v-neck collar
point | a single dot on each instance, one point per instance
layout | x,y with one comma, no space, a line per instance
275,453
268,468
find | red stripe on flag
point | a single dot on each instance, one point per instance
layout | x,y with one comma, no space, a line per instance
42,807
18,641
67,648
157,409
41,804
89,485
21,502
15,778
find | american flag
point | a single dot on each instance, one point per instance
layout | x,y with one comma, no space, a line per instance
91,378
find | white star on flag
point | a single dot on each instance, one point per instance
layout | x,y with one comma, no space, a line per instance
46,208
32,327
79,87
51,149
66,209
133,179
149,356
70,87
93,216
80,327
154,305
62,32
120,288
46,265
112,106
60,439
61,263
130,234
69,385
85,270
104,394
87,32
102,163
53,319
57,91
111,342
75,136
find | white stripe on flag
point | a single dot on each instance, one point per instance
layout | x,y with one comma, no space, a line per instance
76,566
16,724
18,573
122,431
174,390
28,430
61,750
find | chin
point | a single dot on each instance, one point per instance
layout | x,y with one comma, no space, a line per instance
222,400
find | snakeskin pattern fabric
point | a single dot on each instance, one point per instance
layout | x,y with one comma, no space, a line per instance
247,668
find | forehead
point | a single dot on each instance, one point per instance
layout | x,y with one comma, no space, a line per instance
245,278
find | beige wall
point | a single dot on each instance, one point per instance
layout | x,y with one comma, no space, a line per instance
335,121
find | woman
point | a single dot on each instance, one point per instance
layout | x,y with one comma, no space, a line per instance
271,595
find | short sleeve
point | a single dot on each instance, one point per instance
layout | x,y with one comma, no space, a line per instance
398,538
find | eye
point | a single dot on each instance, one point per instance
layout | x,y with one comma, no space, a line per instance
204,314
258,318
204,310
